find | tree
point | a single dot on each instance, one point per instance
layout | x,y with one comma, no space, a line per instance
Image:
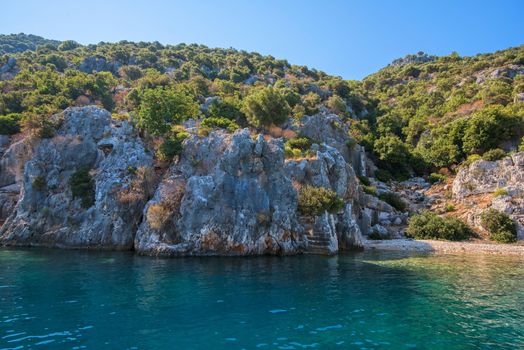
161,108
337,104
390,149
266,106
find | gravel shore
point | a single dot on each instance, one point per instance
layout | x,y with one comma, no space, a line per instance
445,246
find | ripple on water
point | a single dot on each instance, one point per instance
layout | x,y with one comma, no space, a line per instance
75,300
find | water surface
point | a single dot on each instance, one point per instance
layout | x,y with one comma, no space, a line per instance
53,299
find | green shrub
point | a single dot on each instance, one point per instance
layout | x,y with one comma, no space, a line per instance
266,106
315,200
383,175
436,178
394,200
302,143
83,187
499,192
219,122
372,190
449,207
162,108
494,154
471,159
499,225
364,180
39,183
428,225
172,146
9,124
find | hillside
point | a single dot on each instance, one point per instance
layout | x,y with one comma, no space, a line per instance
434,112
220,151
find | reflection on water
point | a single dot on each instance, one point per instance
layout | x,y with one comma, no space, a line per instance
378,300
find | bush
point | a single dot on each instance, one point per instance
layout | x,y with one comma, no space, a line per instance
499,225
428,225
219,122
172,146
157,215
499,192
83,187
372,190
394,200
449,207
383,175
494,154
364,180
436,178
39,183
302,143
471,159
391,150
9,124
162,108
315,200
266,106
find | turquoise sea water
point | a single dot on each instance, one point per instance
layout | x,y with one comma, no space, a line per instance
52,299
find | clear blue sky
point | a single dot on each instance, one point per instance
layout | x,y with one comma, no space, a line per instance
347,38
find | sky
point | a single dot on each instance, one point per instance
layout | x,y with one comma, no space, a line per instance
348,38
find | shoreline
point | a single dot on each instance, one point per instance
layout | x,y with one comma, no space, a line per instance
434,246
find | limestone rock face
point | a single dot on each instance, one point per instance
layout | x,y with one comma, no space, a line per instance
483,178
227,195
330,129
48,215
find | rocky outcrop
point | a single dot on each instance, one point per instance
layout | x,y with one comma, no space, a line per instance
226,194
9,70
47,214
501,183
98,64
328,128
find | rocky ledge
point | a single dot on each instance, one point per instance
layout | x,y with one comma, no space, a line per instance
226,194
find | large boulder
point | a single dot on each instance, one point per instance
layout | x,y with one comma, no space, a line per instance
47,214
228,195
500,183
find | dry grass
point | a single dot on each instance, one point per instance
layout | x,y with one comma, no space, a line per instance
157,215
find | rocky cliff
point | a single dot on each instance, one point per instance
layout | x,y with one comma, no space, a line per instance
498,185
95,185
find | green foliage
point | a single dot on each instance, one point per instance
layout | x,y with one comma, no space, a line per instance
499,192
494,154
301,143
372,190
499,225
449,207
436,178
336,104
428,225
162,108
10,124
83,187
218,122
316,200
172,146
39,183
364,180
383,175
227,107
266,106
445,108
488,127
391,149
394,200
